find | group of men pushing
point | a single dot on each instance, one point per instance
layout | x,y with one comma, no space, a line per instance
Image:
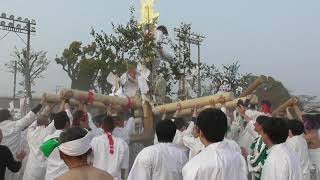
73,145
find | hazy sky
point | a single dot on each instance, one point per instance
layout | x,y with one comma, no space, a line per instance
270,37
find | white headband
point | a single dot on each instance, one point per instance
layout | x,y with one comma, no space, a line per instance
77,147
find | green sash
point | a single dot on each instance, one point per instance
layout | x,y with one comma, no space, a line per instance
48,146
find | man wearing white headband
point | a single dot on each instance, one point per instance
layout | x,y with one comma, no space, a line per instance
74,149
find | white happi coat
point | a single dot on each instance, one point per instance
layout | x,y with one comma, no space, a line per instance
315,163
193,144
12,137
126,131
282,163
218,161
160,161
36,164
55,166
111,163
248,135
300,146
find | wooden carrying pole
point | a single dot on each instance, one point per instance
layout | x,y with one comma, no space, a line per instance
282,108
229,104
78,95
53,98
203,101
253,86
148,121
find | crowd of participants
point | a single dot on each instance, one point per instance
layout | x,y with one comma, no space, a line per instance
244,143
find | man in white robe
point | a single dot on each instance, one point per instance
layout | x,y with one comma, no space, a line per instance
55,165
110,153
220,159
312,136
282,163
297,143
248,135
12,131
37,132
160,161
126,130
192,141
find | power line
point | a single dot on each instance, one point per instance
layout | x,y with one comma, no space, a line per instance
4,35
20,38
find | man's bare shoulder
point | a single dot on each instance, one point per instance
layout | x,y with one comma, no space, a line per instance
85,173
102,174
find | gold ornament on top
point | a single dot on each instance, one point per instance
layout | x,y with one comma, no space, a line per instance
147,12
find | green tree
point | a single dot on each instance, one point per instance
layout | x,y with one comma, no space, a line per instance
81,63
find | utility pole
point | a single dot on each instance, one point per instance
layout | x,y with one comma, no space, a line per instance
13,24
15,80
194,39
199,74
27,67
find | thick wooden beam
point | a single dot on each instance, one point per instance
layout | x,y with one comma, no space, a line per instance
202,101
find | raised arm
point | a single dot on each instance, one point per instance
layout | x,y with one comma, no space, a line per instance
31,116
242,112
164,113
178,110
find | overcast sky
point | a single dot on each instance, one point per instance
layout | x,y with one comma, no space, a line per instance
270,37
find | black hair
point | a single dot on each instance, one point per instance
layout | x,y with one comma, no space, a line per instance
247,103
213,124
180,123
240,103
60,120
5,115
98,119
261,119
311,121
72,134
266,102
296,127
166,130
77,115
276,129
108,124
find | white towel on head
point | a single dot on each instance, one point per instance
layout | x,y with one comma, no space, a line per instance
77,147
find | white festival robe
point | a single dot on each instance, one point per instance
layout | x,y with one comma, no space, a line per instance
282,163
248,135
55,166
12,137
111,163
36,164
193,144
315,163
160,161
299,145
218,161
126,131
